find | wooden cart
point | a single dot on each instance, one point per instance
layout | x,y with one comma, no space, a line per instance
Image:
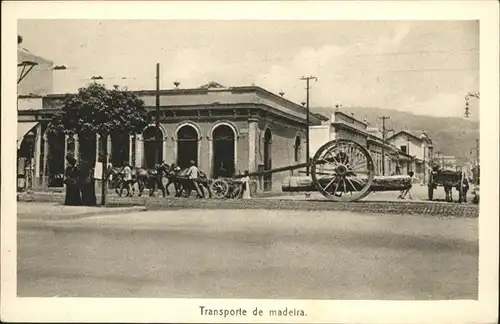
341,170
450,179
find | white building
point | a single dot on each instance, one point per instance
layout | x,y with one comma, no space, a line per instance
419,148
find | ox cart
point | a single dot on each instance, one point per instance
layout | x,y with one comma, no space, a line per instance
448,179
341,170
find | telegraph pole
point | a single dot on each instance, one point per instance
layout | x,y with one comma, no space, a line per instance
157,94
307,79
477,152
384,134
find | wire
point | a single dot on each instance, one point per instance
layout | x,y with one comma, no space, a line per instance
431,70
416,52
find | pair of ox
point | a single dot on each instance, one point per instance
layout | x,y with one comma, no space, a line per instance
162,177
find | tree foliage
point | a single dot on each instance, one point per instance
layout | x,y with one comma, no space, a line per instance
95,109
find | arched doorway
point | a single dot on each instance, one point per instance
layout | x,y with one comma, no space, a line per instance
187,145
223,151
268,178
55,159
153,146
120,149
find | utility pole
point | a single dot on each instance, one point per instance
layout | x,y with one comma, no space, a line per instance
476,176
477,152
307,79
384,134
157,94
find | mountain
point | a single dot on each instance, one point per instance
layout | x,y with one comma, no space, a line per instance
450,135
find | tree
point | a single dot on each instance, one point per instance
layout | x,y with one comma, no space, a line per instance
19,39
97,110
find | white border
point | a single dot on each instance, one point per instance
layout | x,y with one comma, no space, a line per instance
183,310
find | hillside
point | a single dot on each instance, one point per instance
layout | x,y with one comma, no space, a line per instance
450,135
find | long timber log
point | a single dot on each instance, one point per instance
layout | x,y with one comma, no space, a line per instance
379,183
275,170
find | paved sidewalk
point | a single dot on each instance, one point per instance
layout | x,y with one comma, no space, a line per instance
380,202
43,211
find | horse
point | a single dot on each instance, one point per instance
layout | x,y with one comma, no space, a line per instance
184,186
448,187
462,192
141,177
156,177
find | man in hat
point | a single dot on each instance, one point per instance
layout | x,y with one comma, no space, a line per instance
194,173
127,179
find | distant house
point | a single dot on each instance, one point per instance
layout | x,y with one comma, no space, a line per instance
35,79
448,162
387,158
419,148
39,81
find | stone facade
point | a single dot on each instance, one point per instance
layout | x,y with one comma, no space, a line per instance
226,131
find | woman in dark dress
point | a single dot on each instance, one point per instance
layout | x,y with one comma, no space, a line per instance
73,197
88,187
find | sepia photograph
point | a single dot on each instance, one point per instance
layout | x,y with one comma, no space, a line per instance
258,159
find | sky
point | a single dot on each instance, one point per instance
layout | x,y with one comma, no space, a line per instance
423,67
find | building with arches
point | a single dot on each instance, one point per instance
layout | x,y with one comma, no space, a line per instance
225,130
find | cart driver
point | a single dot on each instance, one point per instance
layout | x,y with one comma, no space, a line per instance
193,173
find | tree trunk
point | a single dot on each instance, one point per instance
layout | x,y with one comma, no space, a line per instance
379,183
104,184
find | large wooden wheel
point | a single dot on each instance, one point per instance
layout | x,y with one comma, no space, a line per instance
342,170
219,188
235,190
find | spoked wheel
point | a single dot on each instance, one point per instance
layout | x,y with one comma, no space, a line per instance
342,170
235,191
219,188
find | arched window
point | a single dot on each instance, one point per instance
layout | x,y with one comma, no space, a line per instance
120,147
223,148
187,146
297,148
153,147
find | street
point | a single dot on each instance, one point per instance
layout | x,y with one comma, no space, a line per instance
251,254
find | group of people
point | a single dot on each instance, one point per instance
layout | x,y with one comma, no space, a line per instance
80,189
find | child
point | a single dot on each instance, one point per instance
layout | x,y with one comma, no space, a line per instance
245,186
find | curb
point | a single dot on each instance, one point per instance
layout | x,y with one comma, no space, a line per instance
421,208
363,206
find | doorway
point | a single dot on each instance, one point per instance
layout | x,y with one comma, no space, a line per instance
153,147
187,146
223,150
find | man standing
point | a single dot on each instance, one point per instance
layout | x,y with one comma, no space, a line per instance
127,179
193,174
407,191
